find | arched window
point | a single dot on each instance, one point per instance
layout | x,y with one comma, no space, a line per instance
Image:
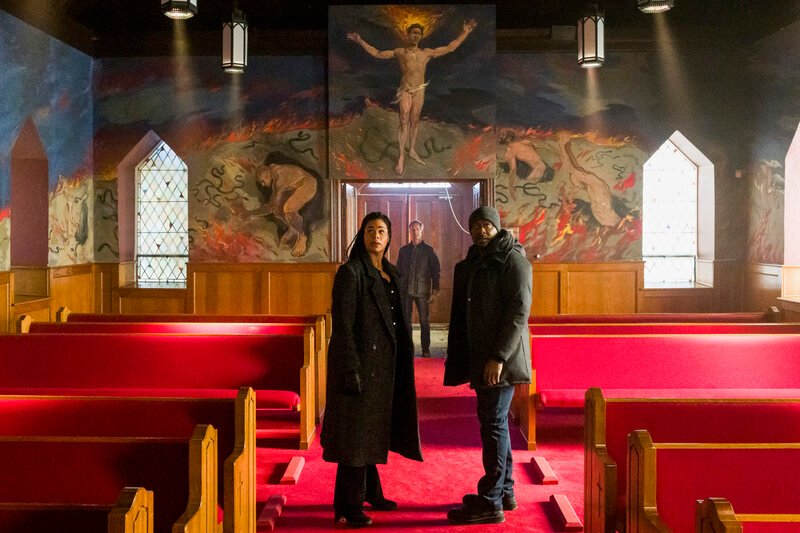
678,180
162,218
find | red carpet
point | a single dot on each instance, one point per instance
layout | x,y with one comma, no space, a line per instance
426,491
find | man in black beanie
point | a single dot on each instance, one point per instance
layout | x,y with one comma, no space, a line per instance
488,346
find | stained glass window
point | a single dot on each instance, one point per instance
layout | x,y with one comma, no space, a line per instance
669,218
162,248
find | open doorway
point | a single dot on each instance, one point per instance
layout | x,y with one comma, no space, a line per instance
443,208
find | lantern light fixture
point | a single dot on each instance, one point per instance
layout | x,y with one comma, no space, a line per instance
179,9
234,42
591,39
655,6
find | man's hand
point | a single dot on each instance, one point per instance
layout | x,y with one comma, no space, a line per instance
353,36
469,25
434,292
491,372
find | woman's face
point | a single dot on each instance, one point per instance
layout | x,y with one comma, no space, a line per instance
376,236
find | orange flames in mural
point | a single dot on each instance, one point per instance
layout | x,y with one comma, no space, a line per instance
401,17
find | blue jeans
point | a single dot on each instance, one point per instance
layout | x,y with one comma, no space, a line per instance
493,405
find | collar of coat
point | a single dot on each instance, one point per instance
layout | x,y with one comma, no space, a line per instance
498,249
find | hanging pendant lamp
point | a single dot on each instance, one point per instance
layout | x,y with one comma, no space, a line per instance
179,9
234,42
591,45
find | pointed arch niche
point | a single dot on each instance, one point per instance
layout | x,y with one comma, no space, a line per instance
790,288
679,177
29,191
29,215
698,295
127,197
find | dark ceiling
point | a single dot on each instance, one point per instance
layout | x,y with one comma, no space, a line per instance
105,28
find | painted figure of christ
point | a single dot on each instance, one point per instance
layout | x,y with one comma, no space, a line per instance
411,94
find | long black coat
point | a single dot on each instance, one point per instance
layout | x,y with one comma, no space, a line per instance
361,429
489,314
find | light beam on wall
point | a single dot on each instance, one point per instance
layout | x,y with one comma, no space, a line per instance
179,9
655,6
591,39
234,42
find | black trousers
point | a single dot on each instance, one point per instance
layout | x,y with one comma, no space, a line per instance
354,485
424,310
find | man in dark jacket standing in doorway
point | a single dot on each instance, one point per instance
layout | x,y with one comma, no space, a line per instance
419,281
489,347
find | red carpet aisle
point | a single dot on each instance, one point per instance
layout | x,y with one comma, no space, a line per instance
452,467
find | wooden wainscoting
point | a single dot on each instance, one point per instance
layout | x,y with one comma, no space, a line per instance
762,286
6,301
72,287
678,300
136,300
586,288
253,288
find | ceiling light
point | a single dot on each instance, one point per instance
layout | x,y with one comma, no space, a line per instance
179,9
591,43
234,42
655,6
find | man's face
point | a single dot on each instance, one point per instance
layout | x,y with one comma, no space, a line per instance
415,231
482,231
414,35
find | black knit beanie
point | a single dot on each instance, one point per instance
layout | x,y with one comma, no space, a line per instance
486,213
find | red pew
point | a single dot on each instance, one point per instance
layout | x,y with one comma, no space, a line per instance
280,368
105,417
744,365
667,479
320,323
72,471
132,513
609,421
538,330
770,315
716,515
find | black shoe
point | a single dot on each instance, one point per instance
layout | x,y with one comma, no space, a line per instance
382,505
475,515
509,501
352,519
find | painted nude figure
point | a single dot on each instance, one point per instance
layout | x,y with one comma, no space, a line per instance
411,93
289,188
598,190
523,162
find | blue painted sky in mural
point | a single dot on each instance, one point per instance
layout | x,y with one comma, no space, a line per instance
154,91
50,82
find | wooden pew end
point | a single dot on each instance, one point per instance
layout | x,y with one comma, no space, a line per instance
24,323
62,314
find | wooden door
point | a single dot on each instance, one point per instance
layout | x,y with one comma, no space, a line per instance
443,227
443,233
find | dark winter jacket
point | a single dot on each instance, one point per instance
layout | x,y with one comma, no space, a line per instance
360,428
418,274
489,315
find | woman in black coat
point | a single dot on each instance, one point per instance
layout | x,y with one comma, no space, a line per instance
372,401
